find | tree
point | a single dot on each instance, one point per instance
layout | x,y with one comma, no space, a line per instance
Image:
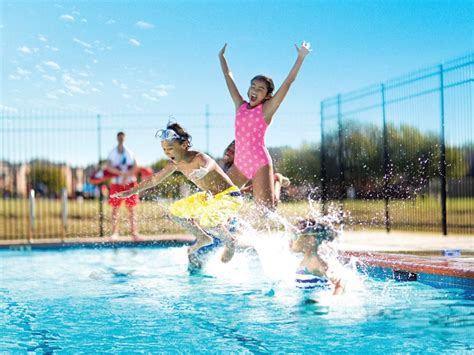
47,179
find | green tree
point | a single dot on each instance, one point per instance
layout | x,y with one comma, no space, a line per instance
47,179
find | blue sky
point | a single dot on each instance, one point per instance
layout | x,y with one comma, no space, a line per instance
160,57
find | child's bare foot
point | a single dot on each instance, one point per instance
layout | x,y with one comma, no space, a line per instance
229,251
137,238
200,243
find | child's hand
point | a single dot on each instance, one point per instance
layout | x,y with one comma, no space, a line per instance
198,174
304,49
222,51
285,182
123,194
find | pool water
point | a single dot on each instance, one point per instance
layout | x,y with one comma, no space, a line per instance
144,300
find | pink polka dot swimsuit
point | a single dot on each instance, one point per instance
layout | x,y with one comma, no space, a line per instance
250,151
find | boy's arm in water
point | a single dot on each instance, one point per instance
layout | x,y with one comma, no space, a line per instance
338,286
270,106
152,181
234,92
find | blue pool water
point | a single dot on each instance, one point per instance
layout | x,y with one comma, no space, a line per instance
145,300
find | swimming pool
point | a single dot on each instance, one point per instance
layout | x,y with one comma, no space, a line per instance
132,300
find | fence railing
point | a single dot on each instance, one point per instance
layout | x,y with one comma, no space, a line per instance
406,148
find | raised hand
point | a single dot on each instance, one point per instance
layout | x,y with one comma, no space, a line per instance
304,49
123,194
222,51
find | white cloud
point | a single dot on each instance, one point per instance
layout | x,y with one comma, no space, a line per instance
64,92
89,51
110,22
52,96
39,68
144,25
134,42
82,43
84,20
67,18
53,49
14,77
2,27
25,50
158,91
95,90
73,85
42,38
22,72
52,65
49,77
10,109
126,96
149,97
95,61
119,84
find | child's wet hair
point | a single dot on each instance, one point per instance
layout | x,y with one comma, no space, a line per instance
320,230
182,133
229,147
268,82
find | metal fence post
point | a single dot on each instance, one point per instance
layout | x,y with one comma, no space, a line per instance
386,172
32,215
207,129
340,154
322,152
64,212
442,154
101,196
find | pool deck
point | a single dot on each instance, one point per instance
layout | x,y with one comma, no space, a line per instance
411,252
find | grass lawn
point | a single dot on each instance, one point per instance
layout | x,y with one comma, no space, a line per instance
83,217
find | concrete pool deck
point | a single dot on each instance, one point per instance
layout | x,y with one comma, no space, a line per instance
412,252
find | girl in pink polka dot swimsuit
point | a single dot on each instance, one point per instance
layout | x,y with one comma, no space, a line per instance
252,161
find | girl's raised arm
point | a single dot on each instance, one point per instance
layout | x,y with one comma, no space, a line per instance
234,92
272,104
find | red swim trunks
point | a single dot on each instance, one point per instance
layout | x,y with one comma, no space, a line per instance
131,201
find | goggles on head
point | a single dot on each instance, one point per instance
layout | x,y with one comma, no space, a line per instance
168,135
319,231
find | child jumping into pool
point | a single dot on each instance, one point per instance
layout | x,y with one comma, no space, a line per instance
313,272
209,209
252,160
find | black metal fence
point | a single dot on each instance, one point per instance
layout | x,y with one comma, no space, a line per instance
401,154
46,159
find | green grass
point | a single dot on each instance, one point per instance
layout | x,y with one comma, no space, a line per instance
83,220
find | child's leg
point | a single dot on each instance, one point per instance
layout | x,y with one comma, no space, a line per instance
229,242
202,238
115,218
263,189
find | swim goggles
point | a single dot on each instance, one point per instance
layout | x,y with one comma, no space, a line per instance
168,135
318,231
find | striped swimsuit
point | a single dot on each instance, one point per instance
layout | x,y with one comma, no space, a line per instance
305,280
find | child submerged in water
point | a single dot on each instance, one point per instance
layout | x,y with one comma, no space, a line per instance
313,272
209,209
